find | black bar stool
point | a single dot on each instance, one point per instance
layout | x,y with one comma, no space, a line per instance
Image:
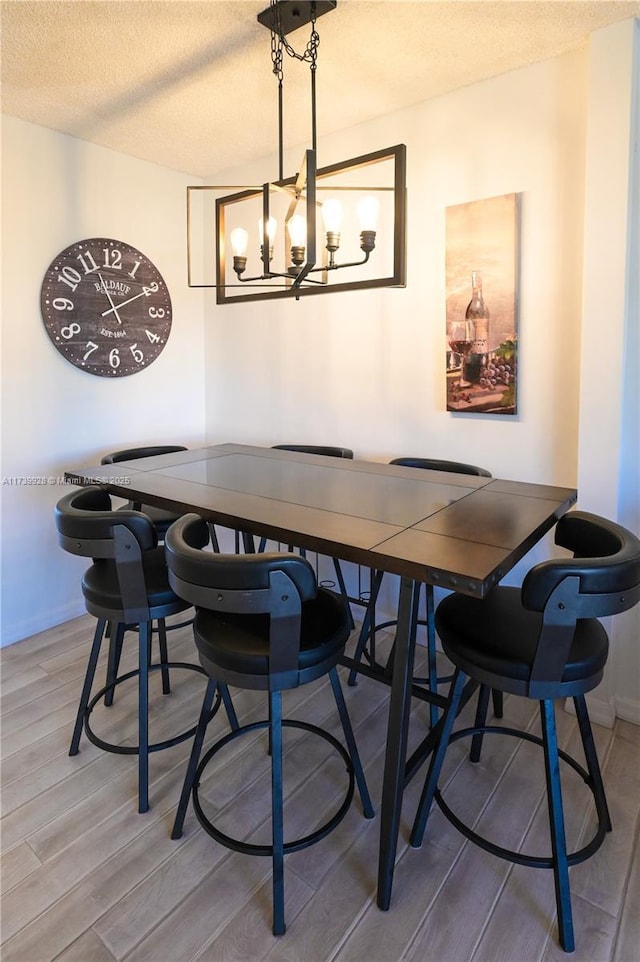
543,641
125,586
261,623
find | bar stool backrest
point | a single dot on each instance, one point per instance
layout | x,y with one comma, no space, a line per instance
602,578
148,451
272,583
436,464
87,526
327,450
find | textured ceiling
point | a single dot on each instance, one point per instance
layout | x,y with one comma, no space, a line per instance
188,83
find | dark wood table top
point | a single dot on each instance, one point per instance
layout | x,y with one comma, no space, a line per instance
456,531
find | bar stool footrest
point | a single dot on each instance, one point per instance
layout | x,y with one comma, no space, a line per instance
294,845
156,746
510,855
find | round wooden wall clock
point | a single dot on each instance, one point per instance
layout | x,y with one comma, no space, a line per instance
106,307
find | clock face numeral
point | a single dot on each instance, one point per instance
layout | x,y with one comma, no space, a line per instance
70,277
88,262
69,331
106,307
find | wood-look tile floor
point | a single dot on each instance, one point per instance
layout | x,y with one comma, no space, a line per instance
85,878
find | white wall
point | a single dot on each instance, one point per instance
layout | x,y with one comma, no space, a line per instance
609,434
57,190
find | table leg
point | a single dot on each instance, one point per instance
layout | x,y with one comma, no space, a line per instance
397,737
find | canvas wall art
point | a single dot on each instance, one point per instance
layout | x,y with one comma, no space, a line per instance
481,311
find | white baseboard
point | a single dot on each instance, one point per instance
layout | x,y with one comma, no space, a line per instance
628,709
40,621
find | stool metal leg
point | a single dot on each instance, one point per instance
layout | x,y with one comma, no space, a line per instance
164,655
144,648
437,758
431,652
480,721
556,824
277,827
194,758
215,544
87,685
352,748
228,705
366,629
116,640
343,590
593,765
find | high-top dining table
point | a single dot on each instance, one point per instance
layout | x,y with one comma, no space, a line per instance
454,531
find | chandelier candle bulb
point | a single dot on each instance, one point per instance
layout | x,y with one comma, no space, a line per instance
332,215
297,227
272,227
239,244
368,210
297,230
332,218
239,241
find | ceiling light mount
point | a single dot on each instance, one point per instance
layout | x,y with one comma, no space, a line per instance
289,15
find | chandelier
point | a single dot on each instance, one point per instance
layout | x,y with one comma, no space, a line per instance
295,236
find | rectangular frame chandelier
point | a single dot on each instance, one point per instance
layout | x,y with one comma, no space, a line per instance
371,193
295,236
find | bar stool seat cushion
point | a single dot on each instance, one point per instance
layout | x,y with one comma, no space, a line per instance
101,589
240,643
498,635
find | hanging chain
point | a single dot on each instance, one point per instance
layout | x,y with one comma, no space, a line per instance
310,56
276,45
280,42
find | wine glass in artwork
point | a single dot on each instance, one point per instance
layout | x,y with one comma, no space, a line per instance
460,335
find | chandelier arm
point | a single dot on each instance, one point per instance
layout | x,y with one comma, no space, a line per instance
335,267
295,279
272,287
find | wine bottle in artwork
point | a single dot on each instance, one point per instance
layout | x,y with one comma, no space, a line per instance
478,312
